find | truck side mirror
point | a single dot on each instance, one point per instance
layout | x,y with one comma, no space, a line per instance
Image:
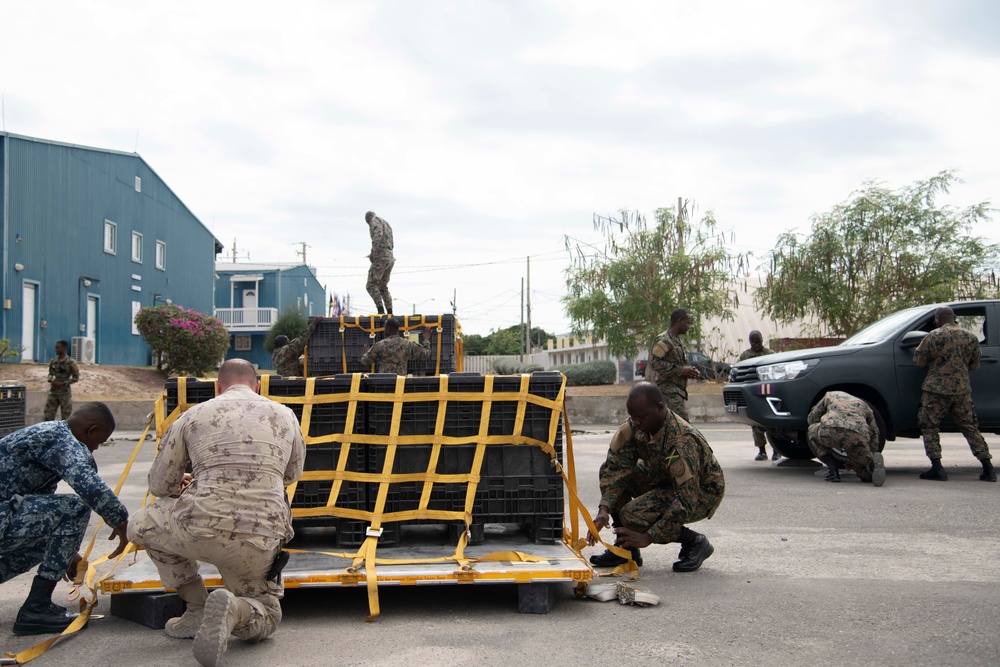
911,339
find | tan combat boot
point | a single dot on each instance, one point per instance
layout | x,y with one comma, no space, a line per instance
186,626
224,612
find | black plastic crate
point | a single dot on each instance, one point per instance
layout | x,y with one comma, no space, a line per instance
417,418
325,418
442,361
198,391
353,532
12,407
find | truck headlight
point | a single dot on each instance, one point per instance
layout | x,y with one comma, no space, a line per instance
786,370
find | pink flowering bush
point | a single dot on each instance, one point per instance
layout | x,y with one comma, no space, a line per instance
183,341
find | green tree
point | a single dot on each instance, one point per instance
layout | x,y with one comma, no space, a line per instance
505,341
624,293
183,341
878,252
474,345
290,323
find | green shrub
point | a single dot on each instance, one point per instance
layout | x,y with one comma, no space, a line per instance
290,323
183,341
512,367
589,373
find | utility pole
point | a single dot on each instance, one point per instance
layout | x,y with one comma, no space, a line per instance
303,251
528,304
522,319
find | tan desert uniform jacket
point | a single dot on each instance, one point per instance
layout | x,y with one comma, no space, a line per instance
244,449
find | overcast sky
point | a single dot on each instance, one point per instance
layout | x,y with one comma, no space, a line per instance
487,132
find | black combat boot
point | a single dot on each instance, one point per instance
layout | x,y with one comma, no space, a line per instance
988,474
39,615
761,455
610,559
832,474
936,472
774,454
695,548
380,309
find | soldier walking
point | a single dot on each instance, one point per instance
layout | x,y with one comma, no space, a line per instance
668,368
949,353
63,372
843,421
659,476
757,349
382,262
392,353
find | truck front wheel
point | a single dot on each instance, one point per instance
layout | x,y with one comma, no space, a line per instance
790,444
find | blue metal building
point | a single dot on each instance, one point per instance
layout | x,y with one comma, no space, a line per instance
88,237
250,296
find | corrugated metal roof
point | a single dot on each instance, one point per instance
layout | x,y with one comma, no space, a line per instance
253,267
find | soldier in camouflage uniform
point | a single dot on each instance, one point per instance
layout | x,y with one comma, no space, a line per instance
286,353
660,474
43,528
842,421
391,354
667,367
382,262
63,372
757,349
949,353
232,511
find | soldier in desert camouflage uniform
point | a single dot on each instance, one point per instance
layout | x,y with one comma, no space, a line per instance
232,511
757,349
660,474
382,262
667,367
43,528
949,353
842,421
286,353
391,354
63,372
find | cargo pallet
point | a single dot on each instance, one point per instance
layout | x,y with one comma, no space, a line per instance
453,479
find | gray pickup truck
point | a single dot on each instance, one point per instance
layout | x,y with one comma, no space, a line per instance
876,364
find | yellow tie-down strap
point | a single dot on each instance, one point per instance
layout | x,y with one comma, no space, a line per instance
407,323
366,554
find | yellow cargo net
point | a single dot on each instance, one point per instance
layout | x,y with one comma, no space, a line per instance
407,323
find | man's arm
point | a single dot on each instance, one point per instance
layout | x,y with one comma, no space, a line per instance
922,356
74,370
166,475
817,412
975,357
75,465
296,461
370,356
421,350
618,467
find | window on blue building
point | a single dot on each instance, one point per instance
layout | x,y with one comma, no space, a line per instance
110,237
137,247
161,255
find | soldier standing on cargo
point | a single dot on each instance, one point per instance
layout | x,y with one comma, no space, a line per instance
286,353
659,476
667,367
757,349
391,354
842,421
43,528
382,262
244,450
949,353
63,372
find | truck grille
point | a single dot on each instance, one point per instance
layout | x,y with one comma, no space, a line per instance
734,396
743,374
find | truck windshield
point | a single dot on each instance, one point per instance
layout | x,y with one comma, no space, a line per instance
884,329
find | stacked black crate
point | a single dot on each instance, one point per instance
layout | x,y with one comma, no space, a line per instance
443,342
196,391
338,343
12,407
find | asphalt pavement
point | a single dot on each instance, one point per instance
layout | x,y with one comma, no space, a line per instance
804,573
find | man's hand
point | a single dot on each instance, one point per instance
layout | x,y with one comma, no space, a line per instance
690,372
121,532
425,333
631,539
71,570
58,384
601,521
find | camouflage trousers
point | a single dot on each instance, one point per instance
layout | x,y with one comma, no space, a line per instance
822,439
242,560
656,510
378,282
676,403
759,437
935,407
59,398
45,530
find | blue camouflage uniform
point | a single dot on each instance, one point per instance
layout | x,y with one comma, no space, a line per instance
38,526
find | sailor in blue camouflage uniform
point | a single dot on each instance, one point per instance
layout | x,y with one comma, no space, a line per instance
668,367
949,353
660,475
392,353
63,372
382,262
843,421
43,528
